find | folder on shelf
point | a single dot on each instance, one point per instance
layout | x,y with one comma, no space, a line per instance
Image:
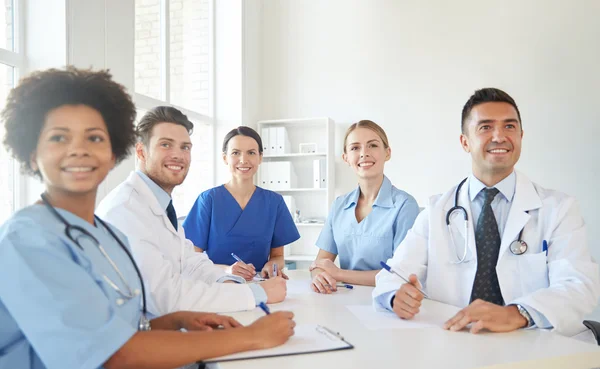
264,174
282,141
307,339
319,173
265,137
273,140
282,175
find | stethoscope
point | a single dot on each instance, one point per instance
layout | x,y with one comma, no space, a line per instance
144,324
517,247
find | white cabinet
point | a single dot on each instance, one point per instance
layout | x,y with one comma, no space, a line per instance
298,162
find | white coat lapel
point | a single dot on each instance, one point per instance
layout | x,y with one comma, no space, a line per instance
139,184
525,199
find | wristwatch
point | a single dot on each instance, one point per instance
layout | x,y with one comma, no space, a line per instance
525,314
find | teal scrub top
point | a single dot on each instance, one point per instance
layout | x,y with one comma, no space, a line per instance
56,310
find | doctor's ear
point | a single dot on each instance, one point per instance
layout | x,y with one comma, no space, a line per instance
139,152
464,142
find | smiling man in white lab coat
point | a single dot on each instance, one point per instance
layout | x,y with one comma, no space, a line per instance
551,282
178,277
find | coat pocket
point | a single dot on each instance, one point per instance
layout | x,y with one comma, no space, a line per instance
533,272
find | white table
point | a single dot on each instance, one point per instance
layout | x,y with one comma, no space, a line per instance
411,348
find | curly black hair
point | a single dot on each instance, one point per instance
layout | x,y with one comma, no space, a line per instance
29,103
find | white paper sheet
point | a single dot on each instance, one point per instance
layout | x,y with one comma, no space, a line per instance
432,314
307,338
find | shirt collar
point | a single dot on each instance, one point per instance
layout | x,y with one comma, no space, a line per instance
161,195
383,200
505,186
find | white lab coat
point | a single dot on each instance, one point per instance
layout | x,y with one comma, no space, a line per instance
564,287
177,277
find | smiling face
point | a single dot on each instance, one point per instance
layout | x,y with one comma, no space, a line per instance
493,138
242,157
366,153
167,158
74,152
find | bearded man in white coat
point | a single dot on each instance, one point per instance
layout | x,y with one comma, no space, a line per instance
178,277
547,281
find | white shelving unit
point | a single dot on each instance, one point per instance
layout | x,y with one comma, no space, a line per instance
313,203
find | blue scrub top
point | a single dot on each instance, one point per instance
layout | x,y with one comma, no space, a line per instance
218,225
361,246
56,310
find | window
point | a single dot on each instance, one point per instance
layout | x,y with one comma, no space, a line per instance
173,66
10,63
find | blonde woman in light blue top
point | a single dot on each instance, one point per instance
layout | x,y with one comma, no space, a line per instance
366,225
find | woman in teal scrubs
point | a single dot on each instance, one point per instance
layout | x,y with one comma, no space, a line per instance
366,225
240,218
71,294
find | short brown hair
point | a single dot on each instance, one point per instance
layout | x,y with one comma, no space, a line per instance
485,95
161,114
368,124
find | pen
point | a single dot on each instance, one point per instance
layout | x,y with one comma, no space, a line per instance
237,258
348,286
274,269
389,269
545,247
264,308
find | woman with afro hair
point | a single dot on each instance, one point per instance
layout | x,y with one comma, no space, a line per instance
71,295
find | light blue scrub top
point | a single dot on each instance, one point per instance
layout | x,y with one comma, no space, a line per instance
361,246
56,310
218,225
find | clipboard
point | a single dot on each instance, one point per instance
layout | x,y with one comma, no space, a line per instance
307,339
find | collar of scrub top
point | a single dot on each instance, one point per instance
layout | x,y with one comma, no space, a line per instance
383,200
161,195
506,187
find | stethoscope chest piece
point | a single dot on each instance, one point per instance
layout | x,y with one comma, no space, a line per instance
518,247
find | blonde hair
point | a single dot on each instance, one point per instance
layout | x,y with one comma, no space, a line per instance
368,124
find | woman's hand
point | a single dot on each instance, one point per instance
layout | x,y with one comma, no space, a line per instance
324,283
267,270
327,266
272,330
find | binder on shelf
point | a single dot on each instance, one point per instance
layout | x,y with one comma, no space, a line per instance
319,173
307,339
265,137
282,175
264,174
282,141
272,140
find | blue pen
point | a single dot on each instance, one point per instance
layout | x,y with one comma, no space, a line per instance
389,269
237,258
348,286
545,247
265,308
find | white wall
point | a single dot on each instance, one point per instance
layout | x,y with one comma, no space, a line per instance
101,36
87,34
410,66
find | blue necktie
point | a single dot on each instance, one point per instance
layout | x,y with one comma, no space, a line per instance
487,240
171,214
